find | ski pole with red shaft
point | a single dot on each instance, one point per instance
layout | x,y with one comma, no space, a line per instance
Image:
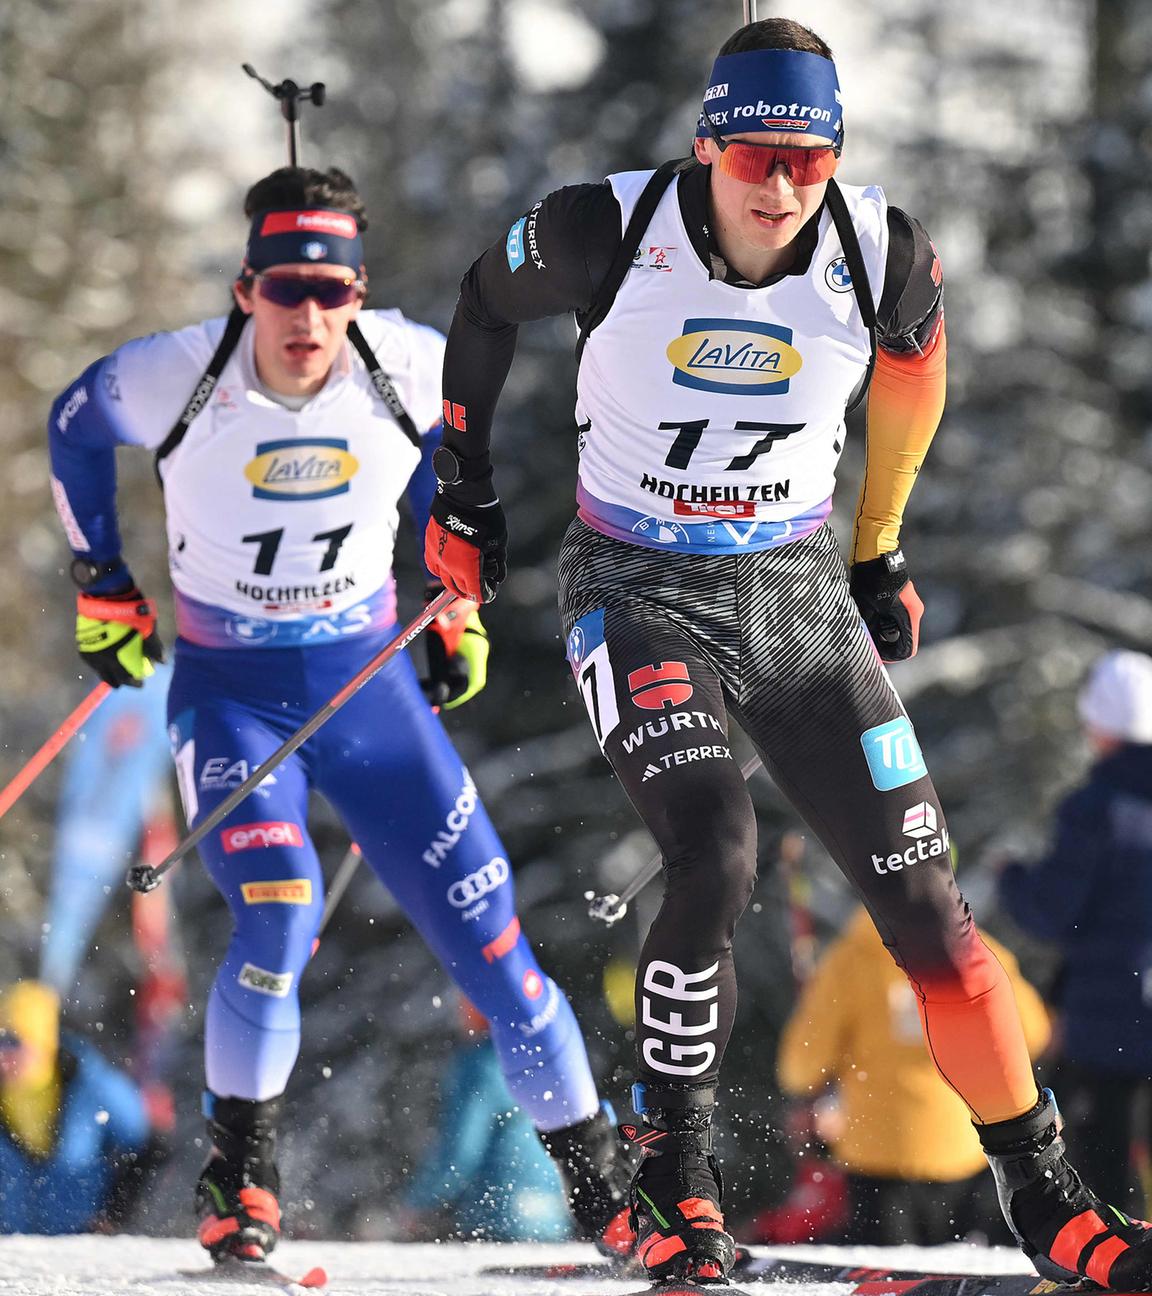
143,877
52,748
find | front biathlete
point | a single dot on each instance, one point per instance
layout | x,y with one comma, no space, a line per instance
308,420
722,340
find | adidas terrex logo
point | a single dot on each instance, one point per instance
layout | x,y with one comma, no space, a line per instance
662,763
921,823
455,524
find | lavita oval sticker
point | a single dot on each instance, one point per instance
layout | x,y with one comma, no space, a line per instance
301,470
738,357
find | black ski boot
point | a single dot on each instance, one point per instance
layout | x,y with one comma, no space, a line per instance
677,1189
1062,1226
595,1178
237,1192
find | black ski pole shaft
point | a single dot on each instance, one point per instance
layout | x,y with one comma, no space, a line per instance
340,883
609,909
143,877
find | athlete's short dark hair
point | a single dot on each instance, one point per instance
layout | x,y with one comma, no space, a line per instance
306,187
775,33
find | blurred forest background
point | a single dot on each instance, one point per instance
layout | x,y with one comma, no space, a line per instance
1018,135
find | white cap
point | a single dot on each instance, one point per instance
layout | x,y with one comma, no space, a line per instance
1116,699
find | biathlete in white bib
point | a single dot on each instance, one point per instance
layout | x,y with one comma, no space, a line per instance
285,437
731,309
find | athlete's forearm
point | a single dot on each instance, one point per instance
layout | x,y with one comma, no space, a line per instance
905,403
81,445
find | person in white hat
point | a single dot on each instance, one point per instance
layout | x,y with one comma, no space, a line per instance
1092,894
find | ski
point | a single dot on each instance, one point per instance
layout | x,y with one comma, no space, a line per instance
863,1281
259,1273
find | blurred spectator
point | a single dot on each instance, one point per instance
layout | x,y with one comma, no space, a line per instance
915,1169
487,1175
1092,893
74,1137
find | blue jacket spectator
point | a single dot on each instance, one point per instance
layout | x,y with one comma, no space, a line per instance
1092,895
487,1170
73,1136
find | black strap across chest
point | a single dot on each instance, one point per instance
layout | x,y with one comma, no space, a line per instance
234,326
641,218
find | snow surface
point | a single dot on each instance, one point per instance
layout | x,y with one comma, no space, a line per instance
130,1266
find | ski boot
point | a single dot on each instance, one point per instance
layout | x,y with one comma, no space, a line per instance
677,1189
595,1179
237,1192
1062,1226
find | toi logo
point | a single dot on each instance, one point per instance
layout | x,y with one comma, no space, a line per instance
893,754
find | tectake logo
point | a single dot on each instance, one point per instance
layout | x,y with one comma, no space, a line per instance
893,754
259,836
311,469
736,357
922,823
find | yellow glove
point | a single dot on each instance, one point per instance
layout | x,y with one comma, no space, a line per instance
457,646
116,636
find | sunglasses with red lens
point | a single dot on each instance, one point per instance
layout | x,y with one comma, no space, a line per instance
294,290
753,163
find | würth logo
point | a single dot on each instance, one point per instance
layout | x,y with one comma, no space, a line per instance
654,687
256,836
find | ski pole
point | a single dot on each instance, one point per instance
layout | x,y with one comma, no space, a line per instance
143,877
609,909
290,97
348,866
43,758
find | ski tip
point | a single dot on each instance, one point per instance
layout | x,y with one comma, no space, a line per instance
314,1278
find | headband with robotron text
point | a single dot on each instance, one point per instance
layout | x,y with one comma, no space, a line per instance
292,236
773,90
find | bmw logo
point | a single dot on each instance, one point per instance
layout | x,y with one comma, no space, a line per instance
836,276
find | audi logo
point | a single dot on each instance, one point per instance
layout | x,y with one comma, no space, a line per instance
476,885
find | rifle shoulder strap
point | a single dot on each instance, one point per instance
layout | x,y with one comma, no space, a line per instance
854,259
641,218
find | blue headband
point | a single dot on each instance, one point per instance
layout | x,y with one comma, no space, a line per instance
773,90
317,234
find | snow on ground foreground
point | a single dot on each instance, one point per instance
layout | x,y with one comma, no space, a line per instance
129,1266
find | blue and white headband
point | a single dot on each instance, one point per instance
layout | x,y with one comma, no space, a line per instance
773,90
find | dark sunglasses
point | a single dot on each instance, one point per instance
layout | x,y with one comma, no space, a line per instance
294,290
754,163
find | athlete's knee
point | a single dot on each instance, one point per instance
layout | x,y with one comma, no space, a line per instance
713,861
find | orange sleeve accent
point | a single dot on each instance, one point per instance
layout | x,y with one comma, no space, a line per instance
905,403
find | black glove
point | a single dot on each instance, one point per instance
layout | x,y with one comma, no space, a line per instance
889,604
466,547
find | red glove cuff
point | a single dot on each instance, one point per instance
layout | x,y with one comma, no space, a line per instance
138,612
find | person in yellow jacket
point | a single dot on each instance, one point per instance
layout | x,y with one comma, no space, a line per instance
915,1167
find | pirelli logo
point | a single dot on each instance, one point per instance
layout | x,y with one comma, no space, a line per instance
295,891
